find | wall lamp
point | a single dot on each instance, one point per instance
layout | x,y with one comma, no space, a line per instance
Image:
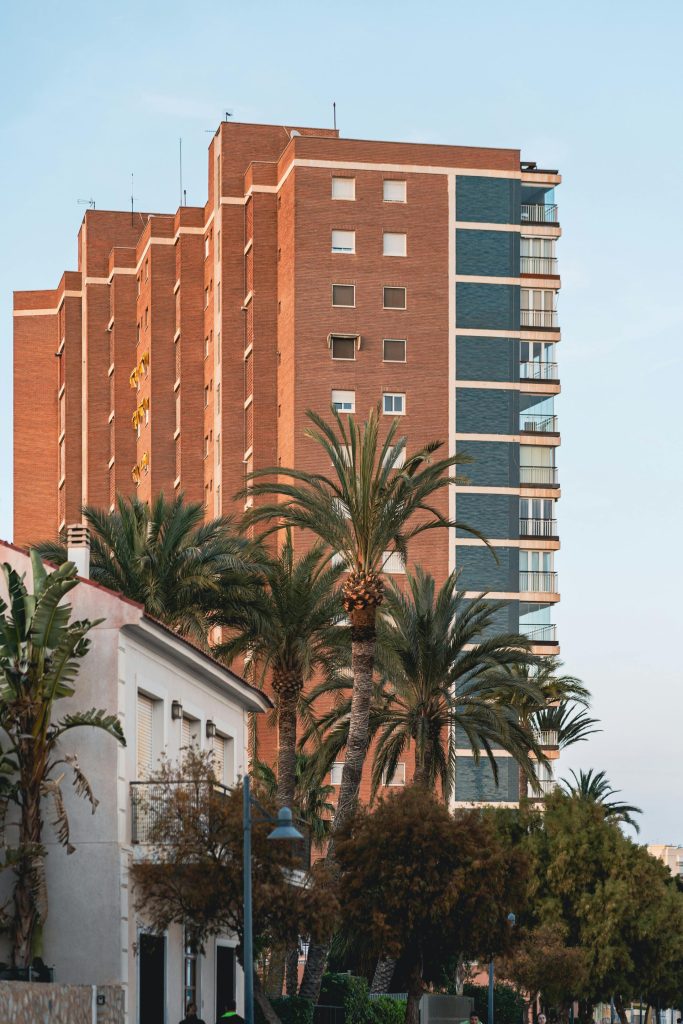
176,710
210,729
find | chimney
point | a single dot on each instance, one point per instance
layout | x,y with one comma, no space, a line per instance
78,548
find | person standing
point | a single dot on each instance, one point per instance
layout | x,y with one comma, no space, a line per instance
230,1014
191,1015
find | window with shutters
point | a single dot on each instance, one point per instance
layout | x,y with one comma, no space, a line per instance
398,778
394,298
394,350
344,401
336,773
343,295
219,758
343,188
144,736
394,191
189,736
343,346
344,241
393,563
395,244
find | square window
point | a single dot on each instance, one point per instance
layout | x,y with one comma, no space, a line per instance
394,404
394,191
344,401
206,247
336,773
395,244
343,346
394,350
394,298
343,188
398,778
343,295
344,241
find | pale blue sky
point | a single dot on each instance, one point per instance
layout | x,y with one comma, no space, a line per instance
92,92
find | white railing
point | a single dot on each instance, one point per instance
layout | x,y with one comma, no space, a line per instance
539,634
538,265
538,423
538,371
547,737
538,317
538,582
539,213
547,786
538,527
538,476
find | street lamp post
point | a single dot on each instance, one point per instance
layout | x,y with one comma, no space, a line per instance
512,920
283,830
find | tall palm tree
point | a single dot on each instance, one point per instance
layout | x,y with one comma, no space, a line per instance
369,506
165,556
311,803
291,629
595,787
571,723
443,677
40,652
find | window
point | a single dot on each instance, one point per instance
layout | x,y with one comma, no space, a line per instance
177,411
394,350
206,347
336,773
189,972
218,399
206,298
206,395
394,191
394,298
218,448
343,295
343,346
344,401
218,752
189,733
147,269
395,244
394,404
399,776
393,563
143,735
146,317
138,281
206,247
343,188
218,347
206,446
344,241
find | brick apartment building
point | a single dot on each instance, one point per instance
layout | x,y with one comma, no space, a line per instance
187,347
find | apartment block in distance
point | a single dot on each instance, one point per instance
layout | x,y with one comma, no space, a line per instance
186,349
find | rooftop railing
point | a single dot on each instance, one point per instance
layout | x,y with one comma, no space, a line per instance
538,423
539,213
544,265
547,738
539,633
538,476
537,527
538,582
538,317
538,371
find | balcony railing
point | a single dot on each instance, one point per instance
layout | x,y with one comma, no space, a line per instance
544,265
547,737
547,786
151,803
538,476
538,371
538,317
538,423
538,582
542,633
539,213
538,527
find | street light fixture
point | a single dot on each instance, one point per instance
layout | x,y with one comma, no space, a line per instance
284,830
512,921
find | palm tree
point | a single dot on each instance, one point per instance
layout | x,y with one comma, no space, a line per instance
443,677
370,506
595,787
164,556
291,630
311,803
40,651
571,724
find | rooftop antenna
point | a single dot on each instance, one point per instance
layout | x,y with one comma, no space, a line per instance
132,199
334,114
86,202
180,168
184,197
228,113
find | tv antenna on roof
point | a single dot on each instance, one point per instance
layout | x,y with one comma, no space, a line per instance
132,199
334,114
86,202
228,114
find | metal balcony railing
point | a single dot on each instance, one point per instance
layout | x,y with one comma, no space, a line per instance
538,527
538,317
547,738
538,476
547,786
538,423
538,265
538,582
539,213
539,634
152,802
538,371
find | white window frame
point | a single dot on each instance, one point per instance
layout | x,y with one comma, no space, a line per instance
398,778
344,337
343,183
343,305
336,773
343,398
405,351
391,239
392,395
399,309
394,181
392,564
349,237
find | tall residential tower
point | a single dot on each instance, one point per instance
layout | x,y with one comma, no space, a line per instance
186,348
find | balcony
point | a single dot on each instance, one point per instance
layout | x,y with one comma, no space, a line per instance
546,787
544,266
150,803
539,213
538,476
539,633
538,582
538,371
538,423
538,318
547,738
538,527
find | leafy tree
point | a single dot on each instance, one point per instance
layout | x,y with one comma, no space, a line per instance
594,787
543,965
441,884
291,630
40,653
443,684
196,876
166,557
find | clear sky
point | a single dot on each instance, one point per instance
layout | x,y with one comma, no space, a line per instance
94,91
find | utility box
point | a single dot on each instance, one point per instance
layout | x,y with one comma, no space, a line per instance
440,1009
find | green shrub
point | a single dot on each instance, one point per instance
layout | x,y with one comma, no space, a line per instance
290,1010
348,991
386,1011
509,1005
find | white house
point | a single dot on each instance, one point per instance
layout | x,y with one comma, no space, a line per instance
167,695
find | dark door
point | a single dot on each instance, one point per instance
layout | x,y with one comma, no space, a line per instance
151,998
225,978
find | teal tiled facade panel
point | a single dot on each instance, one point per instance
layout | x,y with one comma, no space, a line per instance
496,515
495,464
476,782
485,411
487,253
495,359
478,569
492,200
493,307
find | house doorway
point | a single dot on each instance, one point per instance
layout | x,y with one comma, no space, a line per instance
152,988
225,977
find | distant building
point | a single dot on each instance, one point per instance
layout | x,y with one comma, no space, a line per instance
167,695
672,856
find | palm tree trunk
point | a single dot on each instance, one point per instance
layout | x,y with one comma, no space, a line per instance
26,915
292,971
313,971
384,972
263,1002
415,990
286,751
523,790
